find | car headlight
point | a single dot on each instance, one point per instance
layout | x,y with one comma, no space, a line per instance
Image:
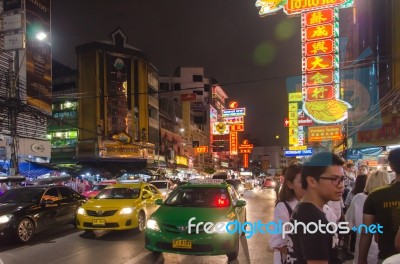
241,188
127,210
81,211
5,218
152,224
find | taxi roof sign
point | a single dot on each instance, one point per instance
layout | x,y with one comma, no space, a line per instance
206,181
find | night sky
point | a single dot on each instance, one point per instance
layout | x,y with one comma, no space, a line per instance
250,56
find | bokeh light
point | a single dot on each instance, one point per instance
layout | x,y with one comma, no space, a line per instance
264,53
285,29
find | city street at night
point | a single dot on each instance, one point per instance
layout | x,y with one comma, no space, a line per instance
68,245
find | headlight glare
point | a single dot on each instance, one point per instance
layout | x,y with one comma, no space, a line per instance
152,224
126,210
5,218
81,211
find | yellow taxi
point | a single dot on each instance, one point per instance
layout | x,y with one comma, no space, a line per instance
119,207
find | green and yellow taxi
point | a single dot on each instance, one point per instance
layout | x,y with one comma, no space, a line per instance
119,207
196,219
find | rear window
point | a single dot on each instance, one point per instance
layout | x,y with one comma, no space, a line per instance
160,185
118,193
199,197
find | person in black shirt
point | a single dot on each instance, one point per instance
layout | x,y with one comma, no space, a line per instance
322,178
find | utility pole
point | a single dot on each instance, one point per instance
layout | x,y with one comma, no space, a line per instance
13,104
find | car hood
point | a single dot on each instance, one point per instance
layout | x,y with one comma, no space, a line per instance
175,214
8,208
111,203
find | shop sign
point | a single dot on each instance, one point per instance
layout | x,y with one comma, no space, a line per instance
237,127
234,112
14,41
298,147
201,149
233,143
321,133
234,120
319,17
295,97
220,128
320,93
319,47
317,63
302,153
319,77
181,160
300,6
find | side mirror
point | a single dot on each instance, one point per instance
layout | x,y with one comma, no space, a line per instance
240,203
146,196
159,202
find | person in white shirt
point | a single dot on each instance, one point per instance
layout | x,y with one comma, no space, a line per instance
354,213
290,194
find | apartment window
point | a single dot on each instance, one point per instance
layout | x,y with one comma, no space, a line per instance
206,87
197,78
177,86
198,92
164,86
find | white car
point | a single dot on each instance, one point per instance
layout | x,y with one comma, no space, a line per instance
164,186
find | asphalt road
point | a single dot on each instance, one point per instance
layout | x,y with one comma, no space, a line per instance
68,245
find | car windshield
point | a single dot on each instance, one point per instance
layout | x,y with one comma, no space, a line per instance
160,185
98,187
199,197
118,193
23,195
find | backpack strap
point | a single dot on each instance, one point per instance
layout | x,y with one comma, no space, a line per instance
290,211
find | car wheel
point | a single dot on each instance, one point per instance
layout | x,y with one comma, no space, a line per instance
141,221
232,256
25,230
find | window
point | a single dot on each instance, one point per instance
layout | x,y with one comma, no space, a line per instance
154,190
164,86
177,86
197,78
198,92
51,194
65,195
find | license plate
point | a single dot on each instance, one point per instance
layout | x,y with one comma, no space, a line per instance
181,243
99,222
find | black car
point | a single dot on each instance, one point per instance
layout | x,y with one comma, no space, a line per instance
27,210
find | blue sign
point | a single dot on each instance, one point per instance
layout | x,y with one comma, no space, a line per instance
234,112
303,153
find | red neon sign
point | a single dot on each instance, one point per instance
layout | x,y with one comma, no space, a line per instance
319,47
319,77
319,17
298,6
320,93
319,32
316,63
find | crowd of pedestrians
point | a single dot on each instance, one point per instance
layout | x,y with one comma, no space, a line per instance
328,191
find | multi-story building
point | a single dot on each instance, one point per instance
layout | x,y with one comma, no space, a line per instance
371,77
269,160
62,130
190,89
117,104
25,85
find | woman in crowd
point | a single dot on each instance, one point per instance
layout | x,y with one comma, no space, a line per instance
290,194
354,214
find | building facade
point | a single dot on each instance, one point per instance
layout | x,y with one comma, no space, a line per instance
25,85
118,103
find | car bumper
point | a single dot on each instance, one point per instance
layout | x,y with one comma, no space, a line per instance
202,244
115,222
